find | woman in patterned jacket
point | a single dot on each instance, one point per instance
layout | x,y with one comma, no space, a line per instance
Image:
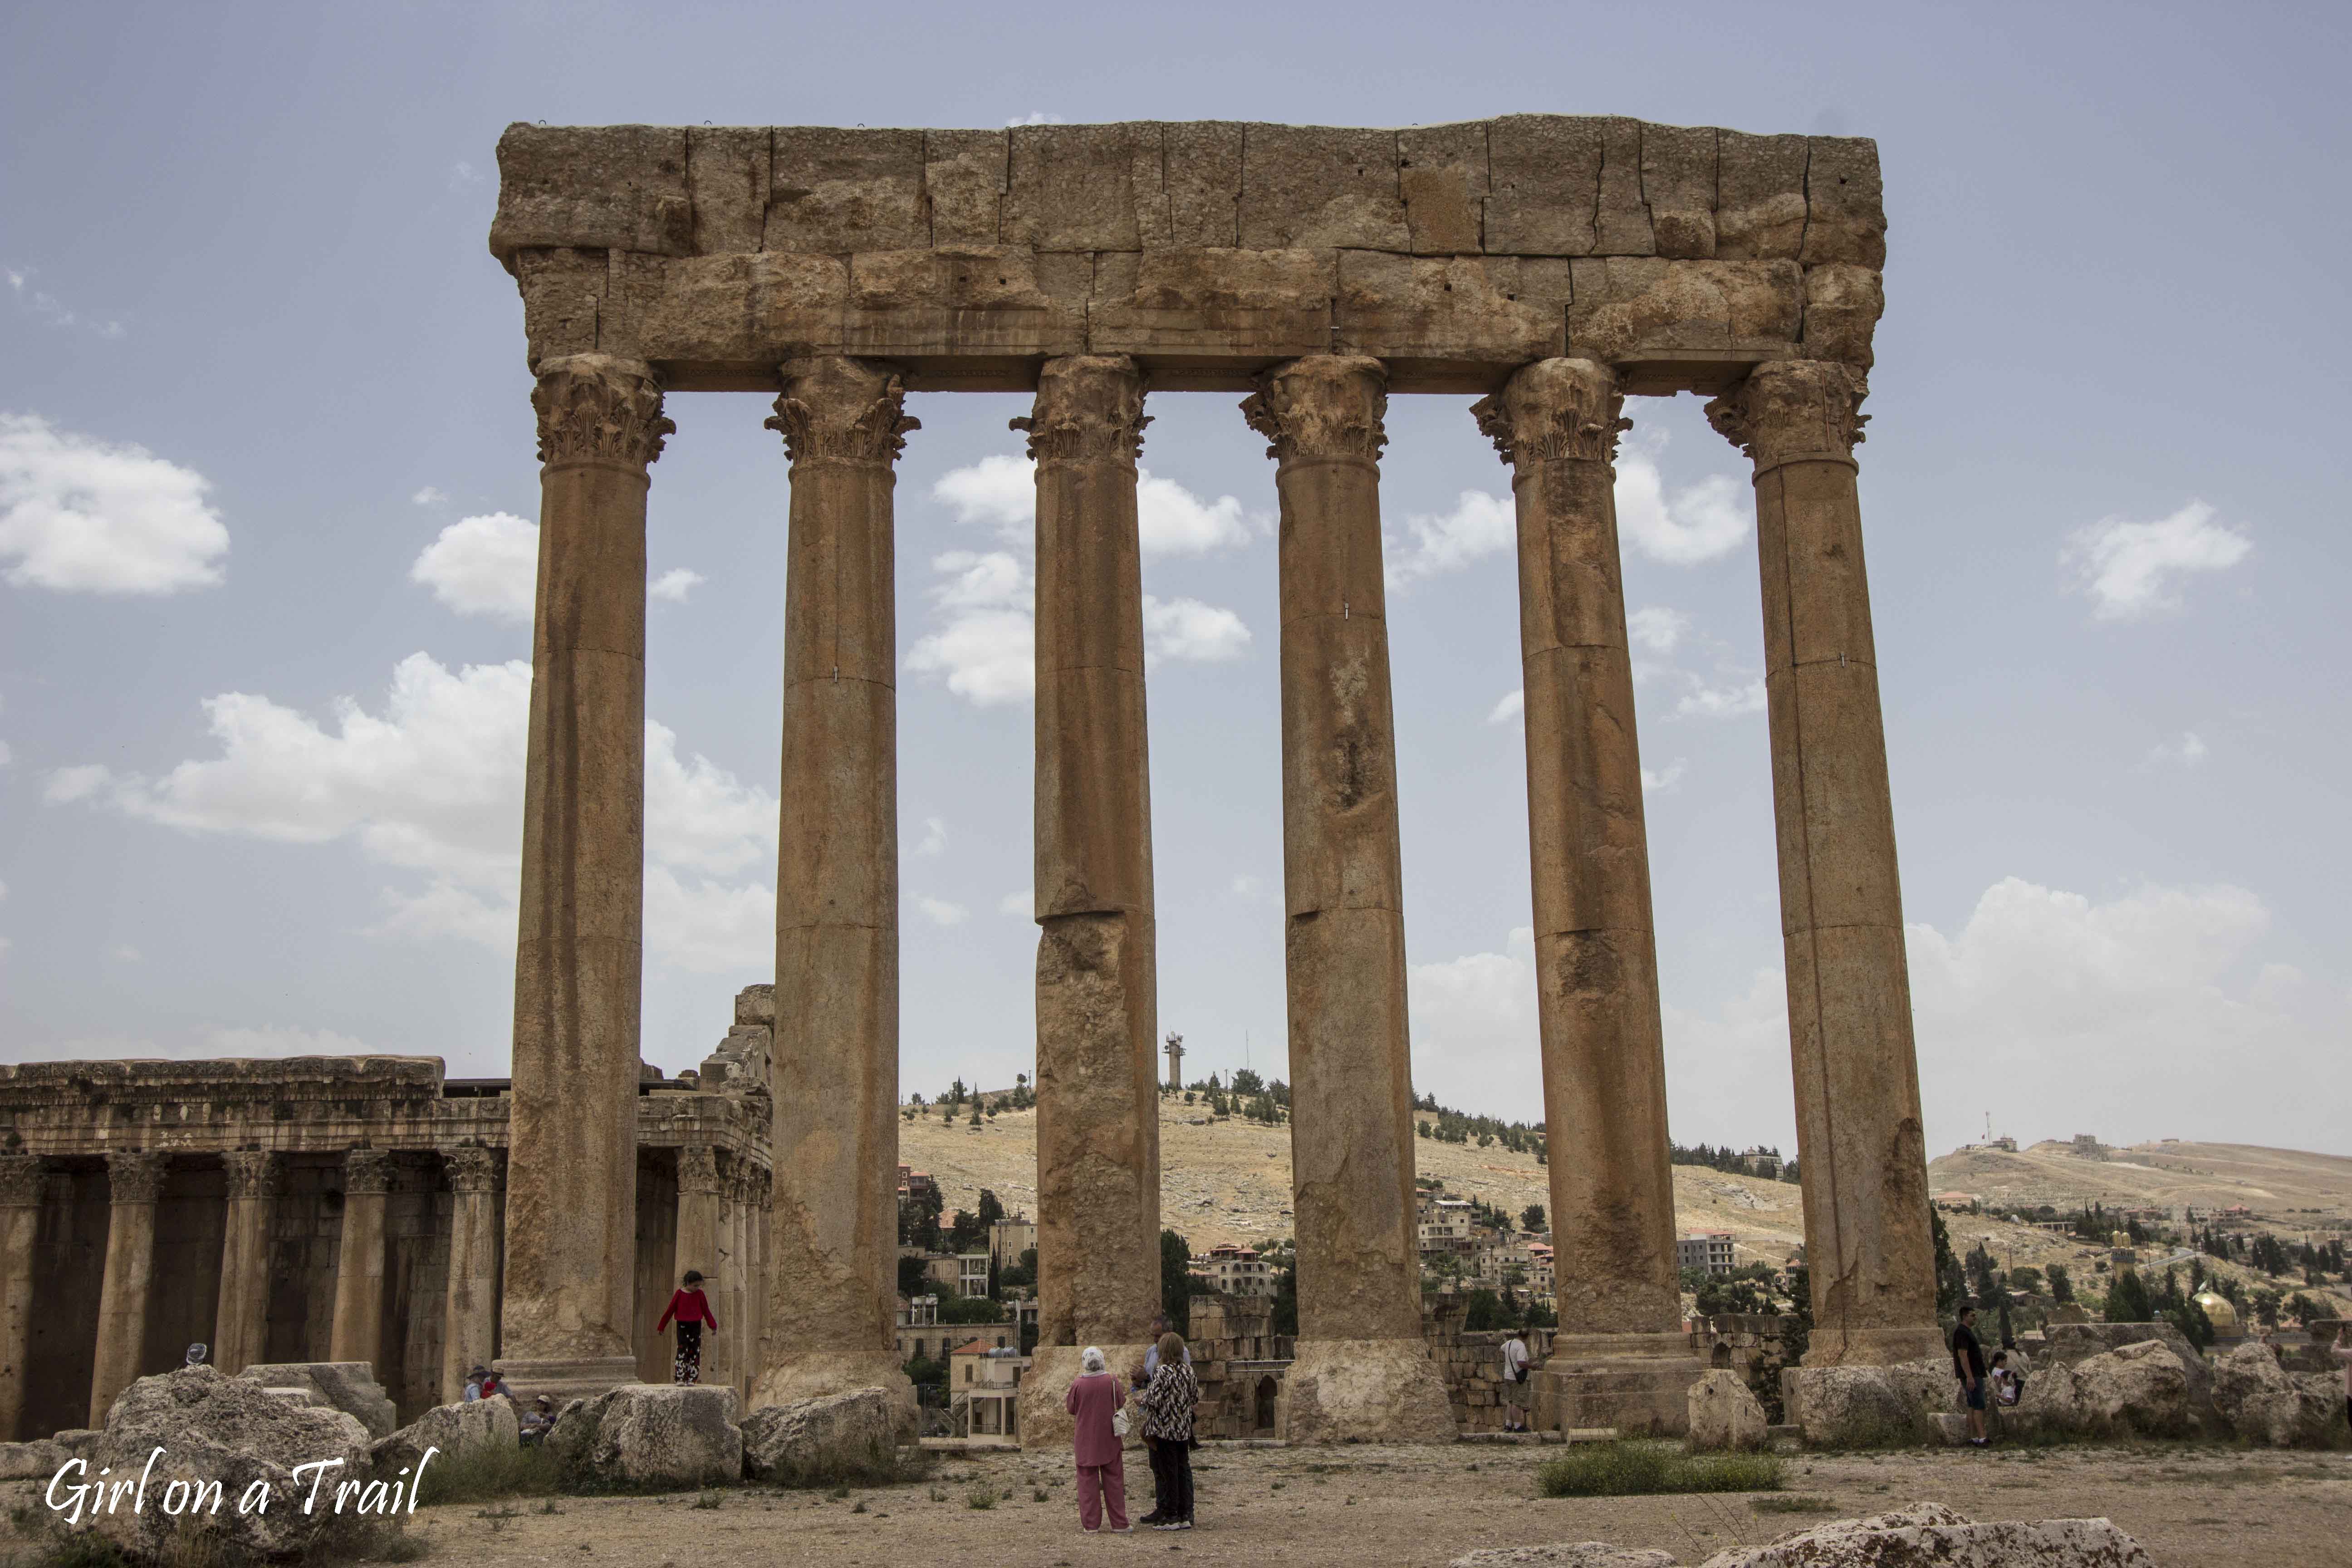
1167,1402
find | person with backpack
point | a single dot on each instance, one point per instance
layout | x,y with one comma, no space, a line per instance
1518,1382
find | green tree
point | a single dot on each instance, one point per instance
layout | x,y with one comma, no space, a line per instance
911,1279
991,1210
2062,1284
2027,1278
2127,1300
955,1309
965,1233
1951,1286
1532,1218
2190,1317
1176,1281
1285,1299
1484,1311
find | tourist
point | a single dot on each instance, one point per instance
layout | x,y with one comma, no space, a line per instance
539,1420
2007,1383
1517,1383
1167,1403
691,1307
474,1380
197,1352
1095,1399
493,1386
1161,1329
1968,1366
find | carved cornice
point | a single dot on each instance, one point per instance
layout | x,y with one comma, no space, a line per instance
1556,410
1089,409
367,1171
1326,405
135,1175
698,1168
1794,410
472,1169
22,1179
595,408
837,409
252,1173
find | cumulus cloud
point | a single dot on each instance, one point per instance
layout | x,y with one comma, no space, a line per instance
80,515
1171,520
1705,701
1653,781
48,306
1189,630
1510,708
2184,752
1474,1029
1020,902
429,789
675,585
1036,117
1245,886
935,836
1479,525
431,495
1697,524
1656,629
939,911
485,565
6,755
2132,569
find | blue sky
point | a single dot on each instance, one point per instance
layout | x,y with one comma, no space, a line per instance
266,474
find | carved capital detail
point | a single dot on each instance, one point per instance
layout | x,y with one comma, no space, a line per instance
472,1169
1089,410
1326,405
22,1179
1553,411
136,1176
837,409
366,1171
596,408
252,1173
1794,410
698,1168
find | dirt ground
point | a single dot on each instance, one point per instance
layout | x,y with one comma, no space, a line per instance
1374,1507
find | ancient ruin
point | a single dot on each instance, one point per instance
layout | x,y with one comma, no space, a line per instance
1549,267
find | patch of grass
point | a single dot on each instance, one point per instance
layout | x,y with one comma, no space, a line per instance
711,1498
840,1491
84,1548
404,1548
980,1497
1627,1469
1037,1494
857,1507
489,1473
1792,1502
548,1507
938,1496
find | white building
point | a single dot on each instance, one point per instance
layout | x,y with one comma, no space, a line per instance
1235,1270
1706,1249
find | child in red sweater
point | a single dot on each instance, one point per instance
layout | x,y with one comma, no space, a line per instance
691,1307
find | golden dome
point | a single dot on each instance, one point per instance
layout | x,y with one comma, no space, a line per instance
2218,1311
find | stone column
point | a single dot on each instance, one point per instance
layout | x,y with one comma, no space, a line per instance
1612,1197
137,1179
469,1334
1097,1090
1859,1138
22,1183
356,1332
572,1185
836,1141
1363,1371
241,1323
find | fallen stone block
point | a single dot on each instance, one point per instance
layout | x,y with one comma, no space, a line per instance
1929,1535
649,1437
2140,1389
1724,1414
1567,1554
459,1431
1865,1406
820,1442
35,1461
349,1386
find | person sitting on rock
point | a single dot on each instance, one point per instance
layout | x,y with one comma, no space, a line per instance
474,1380
2007,1383
691,1307
538,1419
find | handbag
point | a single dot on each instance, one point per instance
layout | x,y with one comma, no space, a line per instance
1118,1424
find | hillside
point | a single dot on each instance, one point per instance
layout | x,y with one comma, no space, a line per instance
2290,1190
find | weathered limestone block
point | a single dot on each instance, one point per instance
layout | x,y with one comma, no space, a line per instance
733,310
1567,1554
349,1386
727,181
1321,186
986,300
1499,310
2073,1343
1200,186
1760,196
2141,1389
230,1432
2263,1403
1846,211
459,1431
2050,1404
1622,304
1213,302
35,1461
1865,1406
650,1437
1546,184
618,187
1365,1390
1442,177
1843,304
963,184
1073,188
837,189
1724,1415
1678,186
756,1005
564,294
1929,1535
839,1437
1621,226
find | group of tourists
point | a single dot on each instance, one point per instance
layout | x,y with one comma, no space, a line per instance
533,1422
1166,1395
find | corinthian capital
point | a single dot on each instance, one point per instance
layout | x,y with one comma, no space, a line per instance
22,1179
252,1173
1794,410
366,1171
839,409
1326,405
1555,410
472,1169
596,408
1089,409
698,1168
136,1176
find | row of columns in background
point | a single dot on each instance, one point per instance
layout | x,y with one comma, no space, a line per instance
834,1138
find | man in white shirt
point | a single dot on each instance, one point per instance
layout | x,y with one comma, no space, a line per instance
1517,1384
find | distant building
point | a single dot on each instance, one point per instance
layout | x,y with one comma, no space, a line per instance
1008,1238
1706,1249
2086,1147
1236,1270
1955,1203
983,1389
1445,1228
1761,1161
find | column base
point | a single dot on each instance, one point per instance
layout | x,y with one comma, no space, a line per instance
562,1378
1874,1347
1365,1391
814,1374
1044,1421
1637,1383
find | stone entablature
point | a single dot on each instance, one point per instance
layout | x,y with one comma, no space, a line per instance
1680,255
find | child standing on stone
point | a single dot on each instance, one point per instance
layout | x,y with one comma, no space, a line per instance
691,1307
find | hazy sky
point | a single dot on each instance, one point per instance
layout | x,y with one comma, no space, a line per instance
268,499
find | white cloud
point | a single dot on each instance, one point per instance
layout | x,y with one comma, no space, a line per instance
1190,631
1510,708
279,1040
1698,524
1020,902
1731,701
1475,1041
2185,752
987,647
1171,520
935,836
431,495
675,585
1479,525
2133,569
1653,781
127,954
941,913
998,490
80,515
52,309
69,785
1657,628
1037,117
485,565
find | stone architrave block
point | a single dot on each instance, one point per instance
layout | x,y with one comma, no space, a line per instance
1320,186
820,1442
562,299
1678,186
1845,213
1506,311
838,190
1623,305
964,175
1843,304
611,188
1072,187
1724,1414
650,1437
1544,173
1760,196
727,181
349,1386
1442,177
1929,1535
1200,186
756,1005
1622,224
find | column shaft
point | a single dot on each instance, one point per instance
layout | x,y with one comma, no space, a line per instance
1613,1200
572,1164
835,1140
137,1179
1862,1151
356,1332
1363,1370
241,1322
469,1328
22,1184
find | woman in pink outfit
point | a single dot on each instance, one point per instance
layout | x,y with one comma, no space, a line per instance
1095,1396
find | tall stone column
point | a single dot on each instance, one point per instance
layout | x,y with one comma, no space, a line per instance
22,1183
571,1182
1612,1197
469,1334
1098,1090
836,1144
1859,1141
356,1332
136,1177
241,1322
1363,1370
